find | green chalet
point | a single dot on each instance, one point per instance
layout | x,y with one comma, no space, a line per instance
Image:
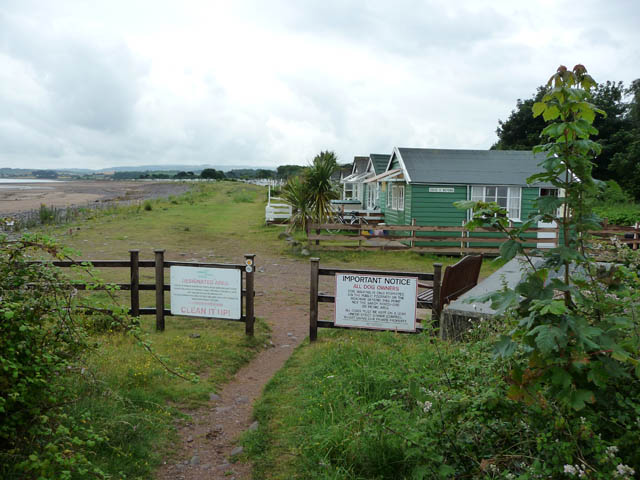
421,184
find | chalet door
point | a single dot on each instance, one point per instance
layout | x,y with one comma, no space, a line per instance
544,192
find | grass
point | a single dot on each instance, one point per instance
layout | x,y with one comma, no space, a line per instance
126,394
324,415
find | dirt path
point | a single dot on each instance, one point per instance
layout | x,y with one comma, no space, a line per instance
206,444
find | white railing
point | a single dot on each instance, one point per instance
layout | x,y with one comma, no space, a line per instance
277,212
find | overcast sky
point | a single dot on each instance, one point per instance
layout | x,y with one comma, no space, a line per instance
97,84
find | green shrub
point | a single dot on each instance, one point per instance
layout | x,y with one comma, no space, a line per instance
46,214
42,338
147,206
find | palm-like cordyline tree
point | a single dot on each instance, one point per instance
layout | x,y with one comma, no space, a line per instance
310,194
296,194
321,190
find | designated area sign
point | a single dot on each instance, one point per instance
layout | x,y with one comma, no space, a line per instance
206,292
374,301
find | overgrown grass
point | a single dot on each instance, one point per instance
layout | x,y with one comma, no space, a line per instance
386,406
625,214
132,399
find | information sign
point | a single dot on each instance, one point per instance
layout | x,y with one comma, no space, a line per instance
441,190
206,292
377,302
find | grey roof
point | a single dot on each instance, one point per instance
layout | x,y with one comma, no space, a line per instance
341,172
360,164
469,167
379,162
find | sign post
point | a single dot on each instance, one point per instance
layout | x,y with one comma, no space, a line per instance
376,302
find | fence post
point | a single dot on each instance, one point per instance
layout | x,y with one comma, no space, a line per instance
437,308
412,243
159,290
249,294
313,300
135,283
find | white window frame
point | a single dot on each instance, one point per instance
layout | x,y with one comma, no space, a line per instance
348,191
397,199
389,194
490,193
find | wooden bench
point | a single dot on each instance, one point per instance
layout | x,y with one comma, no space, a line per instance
457,279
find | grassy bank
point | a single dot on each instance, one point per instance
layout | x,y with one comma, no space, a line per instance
384,406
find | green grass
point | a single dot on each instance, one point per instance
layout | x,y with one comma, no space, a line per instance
124,392
340,408
365,405
137,403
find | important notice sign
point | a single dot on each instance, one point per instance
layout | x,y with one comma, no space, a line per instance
206,292
378,302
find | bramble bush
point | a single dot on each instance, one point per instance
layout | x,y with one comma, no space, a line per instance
45,331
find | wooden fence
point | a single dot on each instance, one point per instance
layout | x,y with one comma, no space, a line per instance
134,264
445,240
316,297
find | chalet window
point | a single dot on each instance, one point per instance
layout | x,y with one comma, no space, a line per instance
397,200
348,191
388,195
506,197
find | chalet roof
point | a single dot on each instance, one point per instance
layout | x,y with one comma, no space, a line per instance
468,167
379,161
360,164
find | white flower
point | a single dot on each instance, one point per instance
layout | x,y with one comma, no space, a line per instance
570,469
611,451
623,470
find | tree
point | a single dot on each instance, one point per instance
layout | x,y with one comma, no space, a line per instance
296,193
569,313
288,171
212,173
521,131
616,132
321,189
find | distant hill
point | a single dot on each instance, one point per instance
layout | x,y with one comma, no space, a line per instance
183,168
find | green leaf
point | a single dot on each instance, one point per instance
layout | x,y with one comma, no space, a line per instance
547,337
505,347
551,113
538,108
501,301
578,398
510,249
560,377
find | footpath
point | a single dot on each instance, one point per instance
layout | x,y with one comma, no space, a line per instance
207,446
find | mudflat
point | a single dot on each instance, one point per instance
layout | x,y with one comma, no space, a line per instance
22,197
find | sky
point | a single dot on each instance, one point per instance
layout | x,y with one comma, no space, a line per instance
265,83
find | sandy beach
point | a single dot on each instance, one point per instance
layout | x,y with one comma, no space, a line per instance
21,197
